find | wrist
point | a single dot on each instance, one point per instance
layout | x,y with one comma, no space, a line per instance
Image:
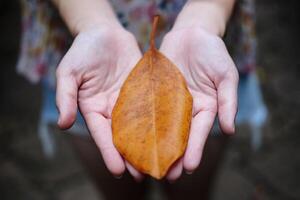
106,34
80,15
90,25
208,16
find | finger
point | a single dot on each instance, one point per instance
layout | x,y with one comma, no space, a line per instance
100,130
66,98
200,128
138,176
175,171
227,102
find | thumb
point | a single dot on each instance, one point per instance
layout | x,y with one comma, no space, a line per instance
227,102
66,98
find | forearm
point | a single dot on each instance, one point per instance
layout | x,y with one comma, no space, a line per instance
211,15
80,15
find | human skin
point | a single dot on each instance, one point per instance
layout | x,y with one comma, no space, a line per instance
91,73
196,47
103,53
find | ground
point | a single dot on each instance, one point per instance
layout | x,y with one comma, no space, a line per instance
269,173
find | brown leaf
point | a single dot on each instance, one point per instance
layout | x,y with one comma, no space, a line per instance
151,118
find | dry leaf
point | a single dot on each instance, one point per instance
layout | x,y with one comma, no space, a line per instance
151,118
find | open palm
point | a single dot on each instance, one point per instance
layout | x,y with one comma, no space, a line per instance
212,80
89,78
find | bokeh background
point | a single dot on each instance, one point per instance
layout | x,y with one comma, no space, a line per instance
272,172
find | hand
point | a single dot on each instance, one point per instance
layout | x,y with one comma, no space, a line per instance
212,79
89,77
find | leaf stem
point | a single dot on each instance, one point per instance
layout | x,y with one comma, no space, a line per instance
153,32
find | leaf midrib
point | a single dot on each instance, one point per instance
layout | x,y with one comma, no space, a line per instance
157,169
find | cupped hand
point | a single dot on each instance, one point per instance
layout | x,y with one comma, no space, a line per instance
212,79
89,77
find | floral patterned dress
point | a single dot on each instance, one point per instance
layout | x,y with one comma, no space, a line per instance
45,39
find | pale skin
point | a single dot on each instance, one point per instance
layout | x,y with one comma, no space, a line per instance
103,53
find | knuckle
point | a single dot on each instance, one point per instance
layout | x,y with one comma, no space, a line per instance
235,75
60,71
232,73
63,71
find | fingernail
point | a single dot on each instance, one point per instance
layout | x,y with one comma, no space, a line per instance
232,128
58,121
189,172
118,176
